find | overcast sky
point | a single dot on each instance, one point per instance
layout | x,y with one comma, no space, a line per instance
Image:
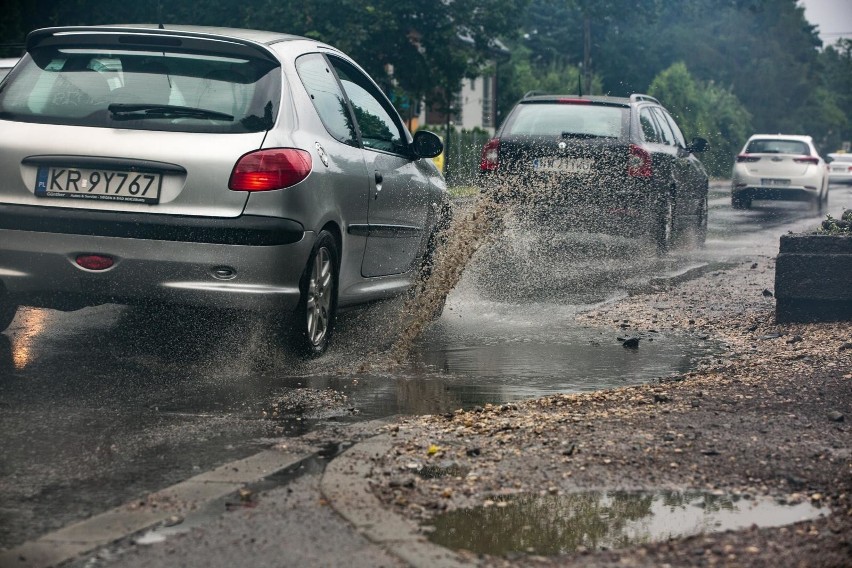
834,18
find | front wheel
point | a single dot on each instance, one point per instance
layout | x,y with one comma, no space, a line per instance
701,232
318,305
8,309
663,228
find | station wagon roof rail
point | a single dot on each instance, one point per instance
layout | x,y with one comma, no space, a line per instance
638,97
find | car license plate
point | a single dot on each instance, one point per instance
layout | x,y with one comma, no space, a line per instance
101,185
563,165
775,182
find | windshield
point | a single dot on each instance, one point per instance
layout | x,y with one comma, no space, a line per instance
190,92
585,121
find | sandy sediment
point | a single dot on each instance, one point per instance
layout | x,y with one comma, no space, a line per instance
768,416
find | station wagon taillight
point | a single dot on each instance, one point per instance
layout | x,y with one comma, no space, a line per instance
490,156
748,158
807,160
265,170
639,162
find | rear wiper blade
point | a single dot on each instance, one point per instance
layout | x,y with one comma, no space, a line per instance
133,111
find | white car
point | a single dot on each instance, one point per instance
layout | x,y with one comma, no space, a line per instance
840,168
779,167
6,64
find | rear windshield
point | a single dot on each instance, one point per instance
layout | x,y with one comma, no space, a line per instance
777,147
567,120
144,90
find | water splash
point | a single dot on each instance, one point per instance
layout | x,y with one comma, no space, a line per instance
458,243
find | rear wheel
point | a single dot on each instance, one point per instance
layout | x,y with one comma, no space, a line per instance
663,229
318,305
817,203
740,202
8,309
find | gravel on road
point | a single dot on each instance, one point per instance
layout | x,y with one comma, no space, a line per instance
768,416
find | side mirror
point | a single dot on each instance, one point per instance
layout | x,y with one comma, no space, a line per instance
697,145
426,144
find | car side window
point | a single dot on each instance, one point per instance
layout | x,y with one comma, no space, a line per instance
679,139
668,136
327,97
375,120
649,129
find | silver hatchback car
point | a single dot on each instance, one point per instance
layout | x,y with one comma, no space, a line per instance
207,166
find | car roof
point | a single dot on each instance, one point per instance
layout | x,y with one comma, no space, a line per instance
231,40
842,156
798,137
245,36
258,36
8,62
534,97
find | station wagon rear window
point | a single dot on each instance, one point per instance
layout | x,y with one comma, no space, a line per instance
144,90
568,120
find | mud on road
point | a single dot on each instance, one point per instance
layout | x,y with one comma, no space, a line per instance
768,417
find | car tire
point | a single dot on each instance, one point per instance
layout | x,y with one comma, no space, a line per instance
701,228
8,309
817,203
437,239
663,227
739,202
315,315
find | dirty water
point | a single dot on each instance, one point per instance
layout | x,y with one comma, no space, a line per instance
602,520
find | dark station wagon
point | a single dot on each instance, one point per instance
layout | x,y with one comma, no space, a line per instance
600,164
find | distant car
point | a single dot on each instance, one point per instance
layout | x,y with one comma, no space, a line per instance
6,64
600,164
779,167
208,166
840,168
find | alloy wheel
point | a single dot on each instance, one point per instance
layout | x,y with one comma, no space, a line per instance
319,297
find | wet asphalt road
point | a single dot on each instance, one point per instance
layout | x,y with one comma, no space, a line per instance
106,404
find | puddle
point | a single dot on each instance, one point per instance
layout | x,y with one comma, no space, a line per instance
601,520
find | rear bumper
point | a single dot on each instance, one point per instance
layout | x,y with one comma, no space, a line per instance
213,264
617,206
244,230
775,193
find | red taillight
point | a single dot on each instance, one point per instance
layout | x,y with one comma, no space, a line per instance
748,158
574,101
265,170
95,261
639,162
490,156
807,160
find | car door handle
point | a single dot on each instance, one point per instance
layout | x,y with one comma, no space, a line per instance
379,180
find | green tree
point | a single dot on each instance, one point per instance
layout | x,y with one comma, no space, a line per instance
836,74
705,110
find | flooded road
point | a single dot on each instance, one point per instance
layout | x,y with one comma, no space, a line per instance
108,403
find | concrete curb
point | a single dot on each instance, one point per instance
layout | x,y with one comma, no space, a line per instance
178,500
345,485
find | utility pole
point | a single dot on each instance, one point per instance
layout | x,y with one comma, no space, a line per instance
587,50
